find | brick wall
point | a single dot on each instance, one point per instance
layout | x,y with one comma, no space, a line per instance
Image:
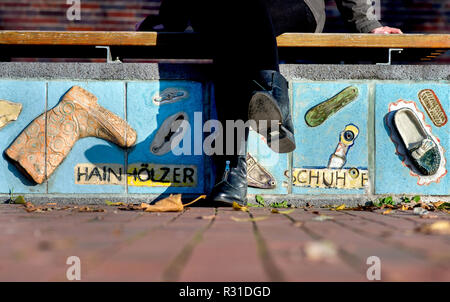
412,16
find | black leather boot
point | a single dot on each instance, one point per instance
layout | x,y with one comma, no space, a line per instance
231,180
231,174
270,102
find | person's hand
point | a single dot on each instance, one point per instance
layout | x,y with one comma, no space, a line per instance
386,30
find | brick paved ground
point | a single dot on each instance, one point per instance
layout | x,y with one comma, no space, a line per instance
136,246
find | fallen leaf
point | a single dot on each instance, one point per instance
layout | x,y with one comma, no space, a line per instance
321,251
438,204
276,211
172,203
404,208
209,217
441,227
51,203
387,211
260,200
322,218
429,216
19,200
341,207
88,209
238,207
298,224
131,207
254,219
424,205
144,205
114,204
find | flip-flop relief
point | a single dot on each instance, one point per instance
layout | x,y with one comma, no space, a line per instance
169,96
170,128
420,146
321,112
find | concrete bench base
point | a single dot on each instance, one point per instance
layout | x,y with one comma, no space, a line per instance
327,167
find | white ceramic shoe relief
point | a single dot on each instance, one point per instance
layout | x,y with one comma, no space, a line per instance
413,140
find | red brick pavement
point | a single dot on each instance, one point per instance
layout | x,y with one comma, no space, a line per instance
208,244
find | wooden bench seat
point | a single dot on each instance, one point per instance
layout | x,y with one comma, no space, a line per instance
428,46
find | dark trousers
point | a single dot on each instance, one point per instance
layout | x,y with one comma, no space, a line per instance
242,37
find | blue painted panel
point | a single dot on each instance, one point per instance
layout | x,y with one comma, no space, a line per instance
149,104
315,145
91,150
392,175
31,95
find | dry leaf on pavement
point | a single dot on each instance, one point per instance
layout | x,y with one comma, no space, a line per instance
341,207
441,227
249,219
238,207
89,209
276,211
324,251
172,203
322,218
388,211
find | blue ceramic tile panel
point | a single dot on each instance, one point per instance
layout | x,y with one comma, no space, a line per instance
32,97
392,175
149,105
315,145
91,160
276,164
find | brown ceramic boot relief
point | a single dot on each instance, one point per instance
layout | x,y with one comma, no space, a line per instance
78,115
9,112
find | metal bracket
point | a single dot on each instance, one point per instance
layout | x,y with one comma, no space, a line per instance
108,55
399,50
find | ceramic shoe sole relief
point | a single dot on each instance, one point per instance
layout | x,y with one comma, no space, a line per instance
270,103
78,115
421,148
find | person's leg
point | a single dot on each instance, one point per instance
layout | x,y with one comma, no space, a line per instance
241,37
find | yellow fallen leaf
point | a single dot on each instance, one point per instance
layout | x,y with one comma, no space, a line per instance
114,204
387,211
195,200
437,204
404,208
170,204
298,224
20,200
441,227
89,209
238,207
341,207
249,219
276,211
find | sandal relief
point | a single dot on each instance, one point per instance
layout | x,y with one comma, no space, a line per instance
78,115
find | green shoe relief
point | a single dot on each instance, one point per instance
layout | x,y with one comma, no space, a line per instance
319,113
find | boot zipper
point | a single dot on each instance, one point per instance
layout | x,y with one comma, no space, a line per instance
227,170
